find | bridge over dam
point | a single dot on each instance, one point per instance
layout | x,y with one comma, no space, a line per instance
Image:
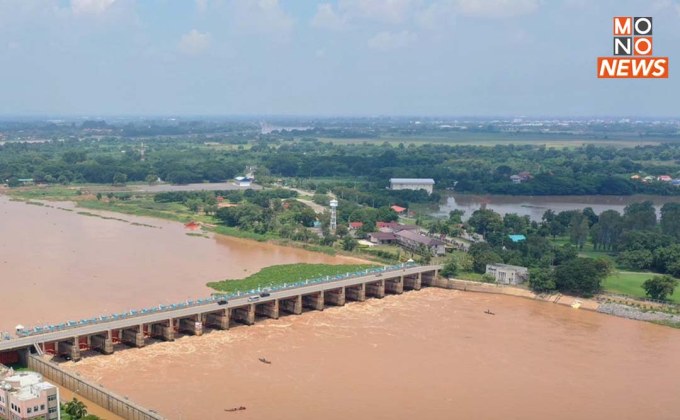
219,314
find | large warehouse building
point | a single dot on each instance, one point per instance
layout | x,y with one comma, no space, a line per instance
412,184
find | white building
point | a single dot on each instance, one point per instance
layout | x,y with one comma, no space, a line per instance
426,184
508,274
25,395
243,181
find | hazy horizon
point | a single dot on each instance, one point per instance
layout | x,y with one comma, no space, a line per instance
342,58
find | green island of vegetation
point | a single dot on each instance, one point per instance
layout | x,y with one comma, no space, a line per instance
278,275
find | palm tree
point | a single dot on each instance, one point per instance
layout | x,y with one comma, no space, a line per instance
76,409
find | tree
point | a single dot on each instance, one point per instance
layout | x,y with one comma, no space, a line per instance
349,243
450,268
99,196
194,204
606,232
639,216
456,216
578,230
483,258
670,219
119,178
581,276
667,259
484,221
660,287
542,280
76,409
151,179
639,259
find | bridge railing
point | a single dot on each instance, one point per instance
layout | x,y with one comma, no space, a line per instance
27,332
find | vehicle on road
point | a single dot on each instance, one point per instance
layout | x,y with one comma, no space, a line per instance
253,298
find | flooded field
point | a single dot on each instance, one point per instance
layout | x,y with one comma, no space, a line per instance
535,206
432,354
57,265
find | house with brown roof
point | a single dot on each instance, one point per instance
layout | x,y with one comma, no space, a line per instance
382,238
416,242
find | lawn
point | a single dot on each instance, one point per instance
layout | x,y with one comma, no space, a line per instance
630,283
285,273
587,251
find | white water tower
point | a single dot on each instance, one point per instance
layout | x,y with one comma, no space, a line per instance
334,216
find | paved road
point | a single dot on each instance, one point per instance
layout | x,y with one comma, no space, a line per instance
202,308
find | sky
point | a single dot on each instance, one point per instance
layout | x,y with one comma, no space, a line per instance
338,57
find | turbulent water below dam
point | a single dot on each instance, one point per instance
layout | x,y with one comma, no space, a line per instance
432,354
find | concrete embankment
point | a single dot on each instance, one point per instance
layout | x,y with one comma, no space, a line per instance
629,312
558,298
104,398
616,309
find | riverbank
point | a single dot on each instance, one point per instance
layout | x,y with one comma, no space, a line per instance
557,298
638,313
142,204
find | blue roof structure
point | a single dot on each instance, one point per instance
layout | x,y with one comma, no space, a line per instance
517,238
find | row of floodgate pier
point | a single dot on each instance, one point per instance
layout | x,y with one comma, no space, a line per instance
217,314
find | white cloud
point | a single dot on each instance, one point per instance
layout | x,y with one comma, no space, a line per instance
262,16
386,11
194,42
90,7
326,17
201,5
386,41
496,8
437,16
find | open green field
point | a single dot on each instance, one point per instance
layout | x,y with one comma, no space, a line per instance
468,138
587,251
630,283
286,273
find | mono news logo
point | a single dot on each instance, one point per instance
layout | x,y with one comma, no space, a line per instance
632,52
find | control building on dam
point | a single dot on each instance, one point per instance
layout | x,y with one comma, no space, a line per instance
220,314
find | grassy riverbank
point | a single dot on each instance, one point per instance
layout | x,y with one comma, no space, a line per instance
630,283
286,273
143,204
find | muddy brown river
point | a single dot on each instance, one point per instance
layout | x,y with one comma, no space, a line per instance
57,265
432,354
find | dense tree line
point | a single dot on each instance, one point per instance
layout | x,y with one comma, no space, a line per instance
635,238
476,169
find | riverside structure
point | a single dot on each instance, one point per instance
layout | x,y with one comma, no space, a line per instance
217,312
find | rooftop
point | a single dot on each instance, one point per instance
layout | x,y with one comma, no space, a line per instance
412,181
509,267
417,237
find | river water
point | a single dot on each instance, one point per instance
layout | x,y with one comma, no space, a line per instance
432,354
57,265
535,206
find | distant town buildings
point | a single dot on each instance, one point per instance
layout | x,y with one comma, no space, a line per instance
660,178
523,176
25,395
426,184
243,181
508,274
